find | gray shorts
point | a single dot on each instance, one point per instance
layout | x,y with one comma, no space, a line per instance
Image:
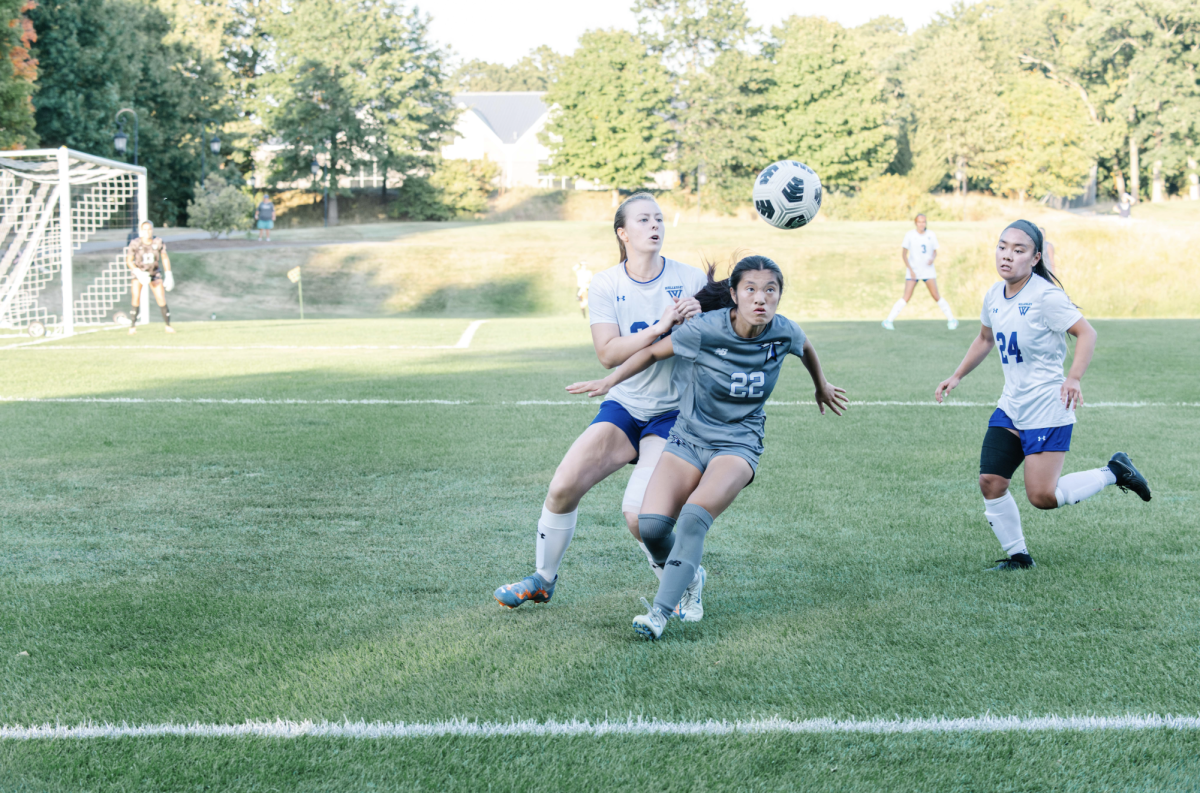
701,456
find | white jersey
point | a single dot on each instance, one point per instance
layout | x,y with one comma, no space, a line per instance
631,306
1030,330
920,249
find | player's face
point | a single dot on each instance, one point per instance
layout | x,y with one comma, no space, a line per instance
757,297
1015,255
643,231
920,223
146,232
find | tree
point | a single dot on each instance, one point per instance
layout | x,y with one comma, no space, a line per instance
828,108
220,207
18,70
352,82
535,72
1048,149
97,56
608,111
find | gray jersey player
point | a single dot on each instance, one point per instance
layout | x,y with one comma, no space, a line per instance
729,362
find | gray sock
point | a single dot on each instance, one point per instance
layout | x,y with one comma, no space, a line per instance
694,523
656,534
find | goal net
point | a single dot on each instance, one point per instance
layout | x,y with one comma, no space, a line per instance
58,208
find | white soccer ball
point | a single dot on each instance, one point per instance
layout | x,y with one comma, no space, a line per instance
787,194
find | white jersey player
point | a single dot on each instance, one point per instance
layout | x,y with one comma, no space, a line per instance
1026,317
632,305
919,250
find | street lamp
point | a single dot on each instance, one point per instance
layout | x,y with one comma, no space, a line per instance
214,146
120,144
316,170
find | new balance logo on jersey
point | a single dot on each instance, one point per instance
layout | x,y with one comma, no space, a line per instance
675,291
1023,307
722,351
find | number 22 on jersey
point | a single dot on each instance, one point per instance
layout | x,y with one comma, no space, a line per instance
1013,350
747,385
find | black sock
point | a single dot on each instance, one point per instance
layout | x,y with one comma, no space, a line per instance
166,312
133,317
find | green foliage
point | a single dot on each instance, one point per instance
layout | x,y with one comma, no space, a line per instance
535,72
17,73
690,34
608,105
98,56
1048,134
887,197
455,188
826,108
220,207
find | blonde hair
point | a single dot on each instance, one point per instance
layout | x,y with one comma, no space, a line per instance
619,217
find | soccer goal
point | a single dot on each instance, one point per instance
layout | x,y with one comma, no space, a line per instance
52,202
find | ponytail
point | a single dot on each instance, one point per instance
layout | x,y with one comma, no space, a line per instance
715,295
619,218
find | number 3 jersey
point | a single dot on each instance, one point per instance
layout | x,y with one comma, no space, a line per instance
631,306
725,379
1030,330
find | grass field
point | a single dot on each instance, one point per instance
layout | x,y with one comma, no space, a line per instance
181,560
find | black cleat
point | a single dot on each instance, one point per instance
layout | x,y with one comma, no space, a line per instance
1128,477
1018,561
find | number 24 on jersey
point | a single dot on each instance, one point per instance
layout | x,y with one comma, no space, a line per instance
1013,350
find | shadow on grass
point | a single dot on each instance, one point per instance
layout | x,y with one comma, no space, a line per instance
507,297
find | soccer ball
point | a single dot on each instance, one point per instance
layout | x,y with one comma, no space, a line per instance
787,194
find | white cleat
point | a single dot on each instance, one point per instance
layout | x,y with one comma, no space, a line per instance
691,607
952,324
651,624
887,325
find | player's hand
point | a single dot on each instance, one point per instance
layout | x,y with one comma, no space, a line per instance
169,281
592,388
1071,393
142,276
945,387
669,319
686,307
834,397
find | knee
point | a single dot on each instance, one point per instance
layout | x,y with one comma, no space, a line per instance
1042,500
561,496
631,520
992,486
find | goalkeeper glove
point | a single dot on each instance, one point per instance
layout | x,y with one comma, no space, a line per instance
142,276
169,281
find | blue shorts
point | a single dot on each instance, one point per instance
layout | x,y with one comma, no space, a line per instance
1047,439
700,457
613,412
266,224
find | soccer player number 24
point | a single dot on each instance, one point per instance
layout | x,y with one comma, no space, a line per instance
1012,350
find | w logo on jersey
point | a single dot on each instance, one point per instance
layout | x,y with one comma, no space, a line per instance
675,291
1023,307
770,348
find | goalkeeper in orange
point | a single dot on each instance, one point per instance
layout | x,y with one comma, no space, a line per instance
147,259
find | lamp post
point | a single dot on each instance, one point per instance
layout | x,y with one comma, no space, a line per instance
214,145
316,169
120,144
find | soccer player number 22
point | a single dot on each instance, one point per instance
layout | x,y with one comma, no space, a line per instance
747,385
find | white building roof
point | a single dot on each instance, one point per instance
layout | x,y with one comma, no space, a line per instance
509,114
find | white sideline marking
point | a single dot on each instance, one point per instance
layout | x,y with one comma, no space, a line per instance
520,403
638,727
55,338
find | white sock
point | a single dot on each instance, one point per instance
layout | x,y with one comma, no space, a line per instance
896,309
945,307
554,533
658,571
1075,487
1005,520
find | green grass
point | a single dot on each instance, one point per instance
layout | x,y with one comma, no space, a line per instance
217,563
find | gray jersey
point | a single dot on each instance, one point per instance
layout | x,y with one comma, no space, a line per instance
725,380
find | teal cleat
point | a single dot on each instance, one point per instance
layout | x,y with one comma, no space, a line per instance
533,588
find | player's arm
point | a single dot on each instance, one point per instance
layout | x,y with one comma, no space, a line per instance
1071,393
166,261
613,349
827,392
904,256
979,350
638,362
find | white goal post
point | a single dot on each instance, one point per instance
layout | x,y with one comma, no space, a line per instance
52,201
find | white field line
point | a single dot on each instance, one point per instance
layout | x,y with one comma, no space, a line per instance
635,727
518,403
47,339
463,343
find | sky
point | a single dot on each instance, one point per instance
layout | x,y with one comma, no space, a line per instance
505,30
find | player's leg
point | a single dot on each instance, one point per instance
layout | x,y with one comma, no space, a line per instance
898,306
999,459
599,451
160,297
1055,490
951,322
650,450
135,301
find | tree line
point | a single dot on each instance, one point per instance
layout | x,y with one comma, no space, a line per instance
1019,97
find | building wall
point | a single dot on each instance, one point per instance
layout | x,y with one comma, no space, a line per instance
519,162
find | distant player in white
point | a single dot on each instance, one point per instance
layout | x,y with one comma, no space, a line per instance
1026,316
919,250
632,305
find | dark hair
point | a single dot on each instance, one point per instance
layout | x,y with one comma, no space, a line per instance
1035,234
715,294
619,218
